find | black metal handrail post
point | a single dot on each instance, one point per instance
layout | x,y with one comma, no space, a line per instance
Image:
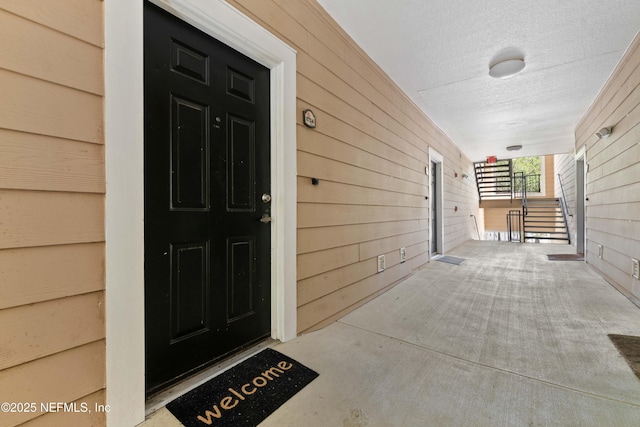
520,189
511,174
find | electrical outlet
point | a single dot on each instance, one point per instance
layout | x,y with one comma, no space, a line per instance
380,263
403,254
600,250
635,268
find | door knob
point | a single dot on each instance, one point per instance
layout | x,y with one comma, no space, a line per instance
265,219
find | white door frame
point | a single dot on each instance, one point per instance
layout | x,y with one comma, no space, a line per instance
580,208
437,158
124,158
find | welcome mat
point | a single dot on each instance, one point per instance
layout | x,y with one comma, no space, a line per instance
565,257
244,395
450,259
629,348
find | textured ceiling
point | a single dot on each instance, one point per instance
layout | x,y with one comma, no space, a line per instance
439,52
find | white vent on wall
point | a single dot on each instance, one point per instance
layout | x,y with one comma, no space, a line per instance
380,263
403,254
635,269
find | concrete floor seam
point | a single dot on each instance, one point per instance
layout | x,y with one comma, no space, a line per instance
564,387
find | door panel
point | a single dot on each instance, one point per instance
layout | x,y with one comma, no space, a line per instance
189,155
207,254
189,283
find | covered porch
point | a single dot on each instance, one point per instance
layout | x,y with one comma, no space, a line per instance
505,338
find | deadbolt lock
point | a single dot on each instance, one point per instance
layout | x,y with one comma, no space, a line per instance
266,198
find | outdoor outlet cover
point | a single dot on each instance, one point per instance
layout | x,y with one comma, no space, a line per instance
380,263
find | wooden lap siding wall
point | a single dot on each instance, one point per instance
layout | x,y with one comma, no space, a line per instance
52,338
369,152
613,176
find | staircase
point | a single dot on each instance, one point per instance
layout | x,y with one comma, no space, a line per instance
543,221
494,179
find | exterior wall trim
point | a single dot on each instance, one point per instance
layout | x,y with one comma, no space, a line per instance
124,214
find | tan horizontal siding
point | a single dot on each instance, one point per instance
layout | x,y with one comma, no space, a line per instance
81,19
37,106
322,215
52,186
374,248
369,152
613,177
38,330
52,56
619,245
386,160
62,377
312,288
320,97
320,238
34,218
314,166
338,193
37,162
31,275
614,266
330,259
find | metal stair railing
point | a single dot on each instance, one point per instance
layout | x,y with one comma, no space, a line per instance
515,226
564,208
494,180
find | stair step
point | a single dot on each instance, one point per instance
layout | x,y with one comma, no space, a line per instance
530,228
529,212
527,234
547,238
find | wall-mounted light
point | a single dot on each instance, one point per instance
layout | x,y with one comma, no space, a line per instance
465,176
603,133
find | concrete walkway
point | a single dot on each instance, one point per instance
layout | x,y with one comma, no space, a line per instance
507,338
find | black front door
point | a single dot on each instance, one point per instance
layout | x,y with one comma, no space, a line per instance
207,203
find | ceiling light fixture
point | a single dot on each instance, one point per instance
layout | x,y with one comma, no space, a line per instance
603,133
514,147
506,68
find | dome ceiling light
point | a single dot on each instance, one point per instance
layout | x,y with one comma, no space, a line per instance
514,147
506,68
